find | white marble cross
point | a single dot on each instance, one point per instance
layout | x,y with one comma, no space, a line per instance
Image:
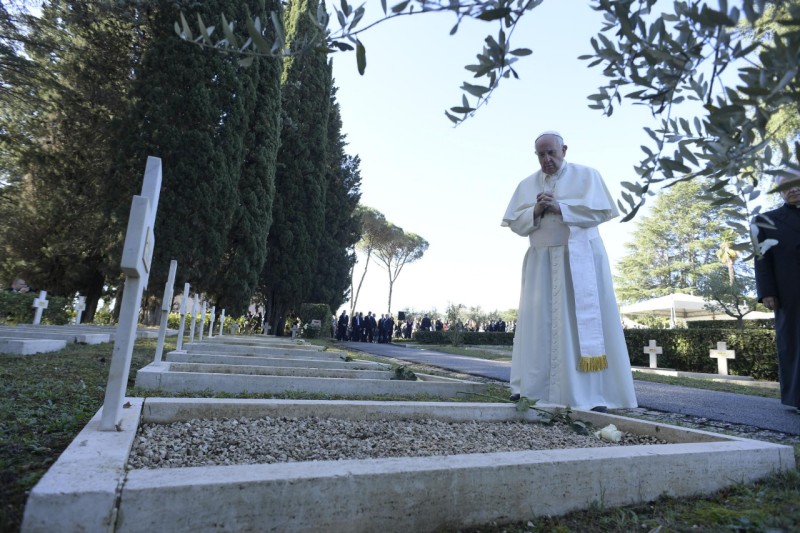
202,322
79,308
221,322
166,307
195,310
722,354
184,306
653,350
137,254
211,321
40,304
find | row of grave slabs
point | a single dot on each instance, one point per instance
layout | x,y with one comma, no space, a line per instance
90,488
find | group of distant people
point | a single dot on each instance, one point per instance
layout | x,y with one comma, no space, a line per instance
371,328
360,328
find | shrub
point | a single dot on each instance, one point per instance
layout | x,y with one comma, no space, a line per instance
495,338
17,308
688,350
310,312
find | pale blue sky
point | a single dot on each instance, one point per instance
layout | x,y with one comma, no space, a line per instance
452,185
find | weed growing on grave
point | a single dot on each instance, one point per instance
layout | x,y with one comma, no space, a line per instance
403,373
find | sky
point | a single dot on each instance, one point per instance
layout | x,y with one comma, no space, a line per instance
451,185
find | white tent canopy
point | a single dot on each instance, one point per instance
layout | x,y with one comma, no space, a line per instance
684,306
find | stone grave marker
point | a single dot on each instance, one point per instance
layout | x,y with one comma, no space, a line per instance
166,307
137,255
221,322
211,321
40,304
722,354
80,307
195,309
184,306
202,322
654,351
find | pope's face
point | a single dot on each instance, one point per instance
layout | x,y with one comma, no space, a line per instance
791,196
551,151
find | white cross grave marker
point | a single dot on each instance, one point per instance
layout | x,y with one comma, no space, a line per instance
202,322
166,307
184,306
195,309
211,321
653,350
221,322
80,307
137,254
722,354
40,304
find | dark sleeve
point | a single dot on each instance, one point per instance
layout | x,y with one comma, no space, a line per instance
766,284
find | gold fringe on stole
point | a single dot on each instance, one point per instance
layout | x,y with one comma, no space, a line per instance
594,364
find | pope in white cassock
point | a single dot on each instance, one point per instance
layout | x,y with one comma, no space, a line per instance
569,347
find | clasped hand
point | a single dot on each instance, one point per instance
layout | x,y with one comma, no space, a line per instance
546,203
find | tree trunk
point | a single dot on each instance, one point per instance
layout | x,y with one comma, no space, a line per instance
118,302
93,294
355,296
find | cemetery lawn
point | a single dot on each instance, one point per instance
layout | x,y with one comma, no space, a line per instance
46,399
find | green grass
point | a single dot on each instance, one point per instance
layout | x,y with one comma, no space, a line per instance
499,353
46,399
709,385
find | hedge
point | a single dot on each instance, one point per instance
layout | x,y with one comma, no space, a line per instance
17,308
682,349
688,350
495,338
321,312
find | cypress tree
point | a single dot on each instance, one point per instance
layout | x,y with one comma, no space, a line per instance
190,110
342,226
299,206
238,278
62,140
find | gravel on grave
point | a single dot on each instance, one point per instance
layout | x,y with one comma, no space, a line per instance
229,441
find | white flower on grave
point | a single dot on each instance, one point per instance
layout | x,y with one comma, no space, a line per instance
610,433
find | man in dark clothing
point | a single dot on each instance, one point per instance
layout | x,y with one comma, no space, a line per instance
341,333
369,326
426,323
355,327
778,283
388,328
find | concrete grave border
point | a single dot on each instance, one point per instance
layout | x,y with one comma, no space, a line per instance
87,489
161,377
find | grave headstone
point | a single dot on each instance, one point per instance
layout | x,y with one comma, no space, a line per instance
202,321
722,354
40,304
184,306
80,307
137,255
195,309
166,307
221,323
654,351
211,321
